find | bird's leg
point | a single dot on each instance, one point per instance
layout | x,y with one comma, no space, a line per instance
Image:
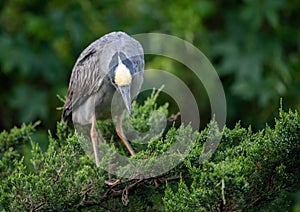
94,139
121,135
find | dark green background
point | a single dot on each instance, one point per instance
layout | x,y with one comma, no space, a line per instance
253,44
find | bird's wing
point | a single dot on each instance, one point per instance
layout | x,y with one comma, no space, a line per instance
86,78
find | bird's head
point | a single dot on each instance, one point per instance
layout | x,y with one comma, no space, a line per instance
121,71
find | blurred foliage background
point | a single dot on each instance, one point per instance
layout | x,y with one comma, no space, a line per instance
253,44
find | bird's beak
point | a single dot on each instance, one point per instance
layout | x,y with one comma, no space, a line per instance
125,93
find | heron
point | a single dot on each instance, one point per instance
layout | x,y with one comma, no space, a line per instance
114,63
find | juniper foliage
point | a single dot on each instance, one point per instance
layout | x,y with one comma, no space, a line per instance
248,171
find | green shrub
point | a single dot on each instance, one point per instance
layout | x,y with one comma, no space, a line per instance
248,170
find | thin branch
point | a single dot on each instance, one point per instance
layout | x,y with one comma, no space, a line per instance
112,193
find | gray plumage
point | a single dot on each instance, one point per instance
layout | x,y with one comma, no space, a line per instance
91,85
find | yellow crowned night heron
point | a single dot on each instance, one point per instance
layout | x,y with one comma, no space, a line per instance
114,62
